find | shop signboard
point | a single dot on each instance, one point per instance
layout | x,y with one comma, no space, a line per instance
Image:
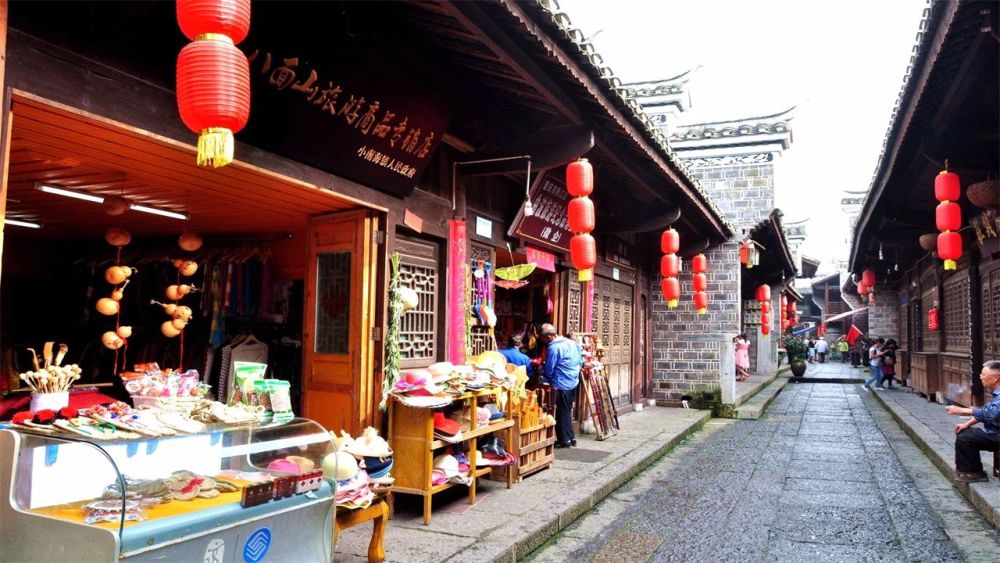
342,108
541,259
548,225
619,252
932,319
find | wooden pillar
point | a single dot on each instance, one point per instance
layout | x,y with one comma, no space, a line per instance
976,327
4,120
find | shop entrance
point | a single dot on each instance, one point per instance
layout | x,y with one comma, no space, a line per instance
268,235
612,321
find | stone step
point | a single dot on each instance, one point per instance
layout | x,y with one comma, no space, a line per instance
755,407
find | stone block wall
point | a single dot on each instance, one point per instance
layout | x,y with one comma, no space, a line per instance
687,347
883,315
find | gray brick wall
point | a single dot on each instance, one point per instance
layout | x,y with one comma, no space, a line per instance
883,315
686,354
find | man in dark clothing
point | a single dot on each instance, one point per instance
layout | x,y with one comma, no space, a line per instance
513,353
562,370
970,441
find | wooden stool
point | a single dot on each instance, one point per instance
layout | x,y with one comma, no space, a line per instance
378,513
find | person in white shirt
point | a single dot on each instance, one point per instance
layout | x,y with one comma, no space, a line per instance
875,354
821,349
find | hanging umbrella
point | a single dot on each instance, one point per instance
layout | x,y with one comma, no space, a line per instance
512,277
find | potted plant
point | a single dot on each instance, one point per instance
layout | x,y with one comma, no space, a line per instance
796,350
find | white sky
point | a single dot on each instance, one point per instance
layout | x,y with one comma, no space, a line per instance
841,63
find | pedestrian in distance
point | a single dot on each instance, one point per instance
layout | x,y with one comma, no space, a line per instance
563,360
844,348
742,344
811,350
889,362
970,441
821,349
875,354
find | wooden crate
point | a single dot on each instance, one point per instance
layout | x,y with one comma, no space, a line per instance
534,450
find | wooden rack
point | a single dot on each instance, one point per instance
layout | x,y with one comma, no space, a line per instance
411,435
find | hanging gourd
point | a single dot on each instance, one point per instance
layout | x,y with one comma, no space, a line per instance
580,214
213,75
671,291
947,190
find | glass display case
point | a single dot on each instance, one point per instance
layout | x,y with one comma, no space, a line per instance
231,493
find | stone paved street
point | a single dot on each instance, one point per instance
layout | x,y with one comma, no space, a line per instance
825,475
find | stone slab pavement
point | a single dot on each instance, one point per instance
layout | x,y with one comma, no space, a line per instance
505,525
933,430
825,475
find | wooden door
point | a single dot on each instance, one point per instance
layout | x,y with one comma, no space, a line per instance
339,315
612,322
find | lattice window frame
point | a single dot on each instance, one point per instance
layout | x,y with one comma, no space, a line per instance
420,268
956,327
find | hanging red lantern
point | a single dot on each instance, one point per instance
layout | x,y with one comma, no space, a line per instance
581,215
227,17
583,252
670,241
783,302
949,248
949,216
213,76
671,291
868,278
947,186
765,306
670,266
765,318
701,302
580,178
699,282
699,264
862,290
763,292
765,329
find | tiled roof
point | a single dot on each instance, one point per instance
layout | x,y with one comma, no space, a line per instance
762,125
672,85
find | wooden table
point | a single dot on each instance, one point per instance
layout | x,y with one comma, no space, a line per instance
378,513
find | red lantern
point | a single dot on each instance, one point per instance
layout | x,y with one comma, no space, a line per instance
862,290
670,265
227,17
765,306
670,241
790,307
671,291
699,264
581,215
213,76
580,178
583,252
947,186
763,292
765,329
949,216
701,302
949,247
765,318
868,278
699,282
783,301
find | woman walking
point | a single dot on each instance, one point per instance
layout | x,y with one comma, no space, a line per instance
742,357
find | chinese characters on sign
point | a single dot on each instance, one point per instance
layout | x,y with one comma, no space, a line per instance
932,319
548,225
358,115
619,251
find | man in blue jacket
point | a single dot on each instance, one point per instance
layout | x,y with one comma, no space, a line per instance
513,353
562,370
970,441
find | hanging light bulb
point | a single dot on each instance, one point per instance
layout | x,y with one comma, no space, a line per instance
529,210
880,255
895,267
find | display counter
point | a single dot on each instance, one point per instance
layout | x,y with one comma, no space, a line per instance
186,496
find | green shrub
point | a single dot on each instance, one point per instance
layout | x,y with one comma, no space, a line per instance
795,348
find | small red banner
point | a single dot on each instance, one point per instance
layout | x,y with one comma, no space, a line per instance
932,319
544,260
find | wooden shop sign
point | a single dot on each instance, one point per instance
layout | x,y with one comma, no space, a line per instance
548,226
342,108
619,252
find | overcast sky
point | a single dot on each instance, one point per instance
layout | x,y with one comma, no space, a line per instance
841,63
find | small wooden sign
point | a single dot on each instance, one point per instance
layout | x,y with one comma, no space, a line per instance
411,220
932,319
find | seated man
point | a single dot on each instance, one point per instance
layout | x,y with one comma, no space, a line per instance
970,441
513,352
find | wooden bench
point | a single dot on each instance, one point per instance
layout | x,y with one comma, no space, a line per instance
377,513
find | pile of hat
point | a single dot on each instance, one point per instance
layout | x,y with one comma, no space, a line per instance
374,455
451,467
353,485
433,387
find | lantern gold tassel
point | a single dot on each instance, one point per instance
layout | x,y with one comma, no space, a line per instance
672,303
703,311
950,265
587,274
215,147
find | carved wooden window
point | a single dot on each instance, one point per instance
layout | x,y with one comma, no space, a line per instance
956,312
904,326
990,293
932,338
419,268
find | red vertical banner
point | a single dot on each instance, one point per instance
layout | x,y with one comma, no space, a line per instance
457,309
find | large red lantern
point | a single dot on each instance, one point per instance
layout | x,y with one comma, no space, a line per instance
583,251
580,178
699,264
670,266
949,216
763,292
701,302
868,278
765,306
949,248
699,282
213,76
671,291
947,186
580,215
670,241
